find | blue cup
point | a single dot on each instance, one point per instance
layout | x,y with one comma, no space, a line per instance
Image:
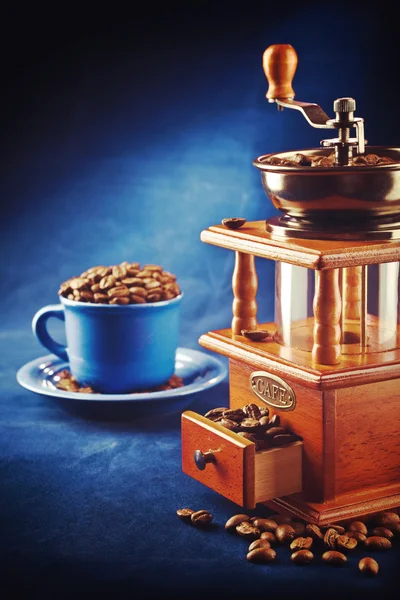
115,348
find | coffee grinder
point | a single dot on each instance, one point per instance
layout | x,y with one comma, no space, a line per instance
330,367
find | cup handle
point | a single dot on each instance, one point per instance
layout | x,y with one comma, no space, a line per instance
39,328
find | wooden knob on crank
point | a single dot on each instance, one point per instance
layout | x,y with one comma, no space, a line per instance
280,64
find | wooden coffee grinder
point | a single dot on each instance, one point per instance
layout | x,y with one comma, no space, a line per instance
331,366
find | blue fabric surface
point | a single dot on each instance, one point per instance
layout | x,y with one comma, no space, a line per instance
123,139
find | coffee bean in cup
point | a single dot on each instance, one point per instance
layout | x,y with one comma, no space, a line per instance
124,283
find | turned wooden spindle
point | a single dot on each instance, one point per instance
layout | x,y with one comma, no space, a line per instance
280,64
352,278
244,286
327,310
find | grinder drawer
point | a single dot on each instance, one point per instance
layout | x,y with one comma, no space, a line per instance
229,464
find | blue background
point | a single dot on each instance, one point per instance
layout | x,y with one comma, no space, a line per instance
125,133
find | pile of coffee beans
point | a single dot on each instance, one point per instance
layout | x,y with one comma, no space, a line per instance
126,283
254,424
332,543
316,160
67,382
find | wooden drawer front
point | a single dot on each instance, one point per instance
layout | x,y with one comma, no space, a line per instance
238,472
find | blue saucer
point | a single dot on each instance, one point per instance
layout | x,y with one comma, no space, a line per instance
199,371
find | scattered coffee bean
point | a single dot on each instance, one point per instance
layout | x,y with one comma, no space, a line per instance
126,283
302,557
301,543
258,335
386,518
233,222
299,528
261,555
282,518
333,557
314,531
184,514
369,566
383,532
265,524
357,535
377,542
248,530
269,536
234,521
338,528
358,526
284,533
345,543
201,518
65,381
330,537
260,543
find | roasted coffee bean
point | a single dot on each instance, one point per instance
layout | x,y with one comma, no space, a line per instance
251,425
275,421
269,536
184,514
261,555
369,566
383,532
235,520
143,285
281,518
299,528
265,524
257,335
120,300
283,439
284,533
229,424
248,530
264,411
386,518
345,543
314,531
260,543
233,222
273,431
316,160
260,445
358,526
357,535
252,411
301,543
330,537
215,414
234,414
339,528
394,527
263,421
377,542
201,518
302,557
333,557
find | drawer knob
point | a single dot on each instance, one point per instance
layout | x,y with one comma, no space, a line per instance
202,458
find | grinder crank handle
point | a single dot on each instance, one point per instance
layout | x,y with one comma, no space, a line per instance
280,64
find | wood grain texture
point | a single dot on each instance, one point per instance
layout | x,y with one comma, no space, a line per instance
354,369
306,420
343,508
329,444
244,286
253,238
368,436
232,473
280,64
278,472
327,305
